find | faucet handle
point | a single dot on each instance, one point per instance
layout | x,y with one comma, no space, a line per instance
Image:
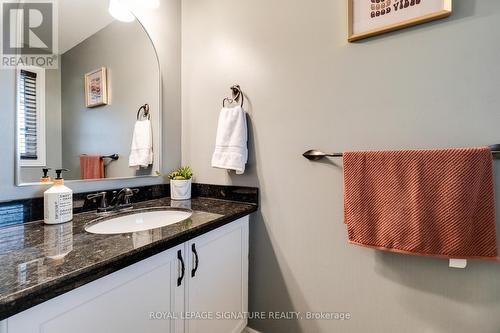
104,202
96,195
132,191
128,194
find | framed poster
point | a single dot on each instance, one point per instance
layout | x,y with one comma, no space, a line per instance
368,18
96,88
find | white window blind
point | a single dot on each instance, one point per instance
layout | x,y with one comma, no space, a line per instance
28,138
31,116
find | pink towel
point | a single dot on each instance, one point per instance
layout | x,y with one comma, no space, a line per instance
91,167
422,202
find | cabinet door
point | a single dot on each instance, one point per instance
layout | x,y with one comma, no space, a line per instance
218,280
123,302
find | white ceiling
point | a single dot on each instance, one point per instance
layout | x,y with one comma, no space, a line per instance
80,19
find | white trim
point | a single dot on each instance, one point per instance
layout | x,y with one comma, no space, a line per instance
249,330
40,113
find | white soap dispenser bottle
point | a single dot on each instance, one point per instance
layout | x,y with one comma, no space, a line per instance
58,201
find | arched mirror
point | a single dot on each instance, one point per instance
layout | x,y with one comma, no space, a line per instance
96,112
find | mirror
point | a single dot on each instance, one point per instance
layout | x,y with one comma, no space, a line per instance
83,115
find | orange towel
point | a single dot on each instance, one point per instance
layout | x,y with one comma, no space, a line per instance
422,202
91,167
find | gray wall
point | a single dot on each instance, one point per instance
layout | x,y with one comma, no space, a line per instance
436,85
52,126
164,26
133,80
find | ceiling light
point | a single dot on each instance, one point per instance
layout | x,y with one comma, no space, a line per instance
120,11
149,4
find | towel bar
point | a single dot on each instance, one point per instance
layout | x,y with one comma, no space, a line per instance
316,155
113,157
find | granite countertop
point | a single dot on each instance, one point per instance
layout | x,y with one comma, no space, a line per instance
39,262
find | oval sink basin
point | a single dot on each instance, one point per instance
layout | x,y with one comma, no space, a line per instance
139,221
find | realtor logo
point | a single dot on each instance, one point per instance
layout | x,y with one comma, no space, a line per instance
29,33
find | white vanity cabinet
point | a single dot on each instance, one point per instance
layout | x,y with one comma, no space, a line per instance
218,280
153,295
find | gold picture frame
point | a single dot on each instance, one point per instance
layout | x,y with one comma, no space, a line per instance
96,88
426,12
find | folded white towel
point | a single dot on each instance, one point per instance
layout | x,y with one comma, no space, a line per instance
231,144
141,151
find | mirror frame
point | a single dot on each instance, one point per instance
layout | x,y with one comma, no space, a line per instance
17,164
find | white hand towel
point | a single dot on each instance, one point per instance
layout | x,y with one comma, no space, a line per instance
141,151
231,150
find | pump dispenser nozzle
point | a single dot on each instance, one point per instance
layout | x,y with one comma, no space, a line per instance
58,173
59,180
45,178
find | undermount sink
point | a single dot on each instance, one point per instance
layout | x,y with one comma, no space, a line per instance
139,221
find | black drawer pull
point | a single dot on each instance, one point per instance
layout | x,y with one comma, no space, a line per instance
196,261
183,268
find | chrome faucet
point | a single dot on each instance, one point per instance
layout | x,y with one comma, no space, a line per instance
121,200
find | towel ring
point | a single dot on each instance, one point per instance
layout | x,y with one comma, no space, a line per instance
145,113
237,94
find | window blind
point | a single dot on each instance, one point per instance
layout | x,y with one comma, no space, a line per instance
28,138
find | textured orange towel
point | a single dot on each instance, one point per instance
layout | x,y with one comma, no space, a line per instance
423,202
91,167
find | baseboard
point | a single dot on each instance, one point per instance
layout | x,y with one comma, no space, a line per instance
249,330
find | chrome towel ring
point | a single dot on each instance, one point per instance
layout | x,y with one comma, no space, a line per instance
237,95
145,112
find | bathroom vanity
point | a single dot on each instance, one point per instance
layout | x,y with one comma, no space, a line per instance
170,279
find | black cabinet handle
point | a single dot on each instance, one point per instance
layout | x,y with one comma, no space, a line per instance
183,268
196,261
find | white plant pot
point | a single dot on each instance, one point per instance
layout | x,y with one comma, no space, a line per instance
180,189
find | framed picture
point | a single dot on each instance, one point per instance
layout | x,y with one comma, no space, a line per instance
368,18
96,88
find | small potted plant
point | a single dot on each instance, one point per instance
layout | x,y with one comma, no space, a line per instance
180,183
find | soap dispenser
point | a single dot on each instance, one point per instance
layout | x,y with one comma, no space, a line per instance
45,179
58,201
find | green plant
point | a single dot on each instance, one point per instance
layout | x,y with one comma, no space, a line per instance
183,173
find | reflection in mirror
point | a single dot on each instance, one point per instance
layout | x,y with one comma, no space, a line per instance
98,113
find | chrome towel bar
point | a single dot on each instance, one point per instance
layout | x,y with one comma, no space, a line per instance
316,155
114,157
